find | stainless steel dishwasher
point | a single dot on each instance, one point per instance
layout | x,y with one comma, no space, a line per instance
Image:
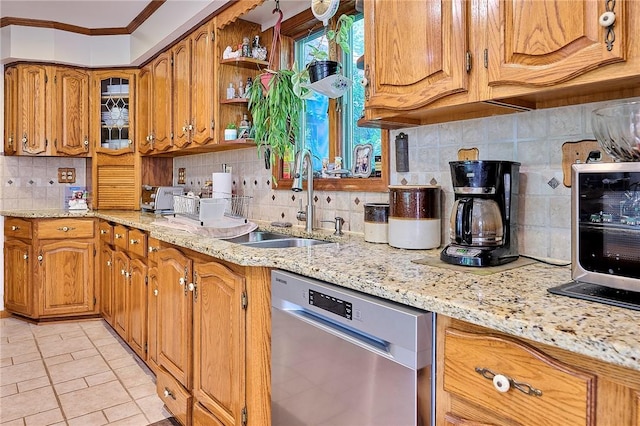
341,357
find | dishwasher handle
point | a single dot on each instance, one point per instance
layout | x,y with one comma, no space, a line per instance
365,341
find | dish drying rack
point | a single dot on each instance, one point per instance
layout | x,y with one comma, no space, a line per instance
206,211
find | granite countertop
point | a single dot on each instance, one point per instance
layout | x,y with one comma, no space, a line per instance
514,301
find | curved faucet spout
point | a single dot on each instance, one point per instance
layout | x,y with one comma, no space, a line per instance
302,160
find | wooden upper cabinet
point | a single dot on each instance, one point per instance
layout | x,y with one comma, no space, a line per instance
160,102
70,112
203,94
182,91
33,110
410,61
10,111
546,42
142,108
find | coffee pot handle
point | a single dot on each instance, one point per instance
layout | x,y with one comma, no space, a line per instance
464,216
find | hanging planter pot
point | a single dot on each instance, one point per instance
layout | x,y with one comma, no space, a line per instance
322,69
265,80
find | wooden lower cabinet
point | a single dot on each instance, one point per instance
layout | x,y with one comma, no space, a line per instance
489,378
18,281
50,267
174,315
219,341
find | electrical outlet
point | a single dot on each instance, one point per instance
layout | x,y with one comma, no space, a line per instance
66,175
182,175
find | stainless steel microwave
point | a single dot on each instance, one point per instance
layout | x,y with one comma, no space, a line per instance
605,237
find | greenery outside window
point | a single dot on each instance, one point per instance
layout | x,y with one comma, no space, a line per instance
329,126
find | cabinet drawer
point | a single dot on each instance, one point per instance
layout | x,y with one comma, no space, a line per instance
153,245
202,417
120,236
137,242
18,228
65,228
174,396
517,381
106,232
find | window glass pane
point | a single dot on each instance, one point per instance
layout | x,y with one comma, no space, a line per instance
315,120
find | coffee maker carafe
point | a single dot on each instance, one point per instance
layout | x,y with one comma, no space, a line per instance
482,227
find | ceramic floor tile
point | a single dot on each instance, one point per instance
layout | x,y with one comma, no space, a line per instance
142,390
133,376
77,369
153,407
42,330
85,353
93,419
16,422
44,418
74,344
95,398
6,390
33,356
22,372
114,351
21,404
36,383
5,362
58,359
139,420
70,386
18,348
118,363
122,411
99,378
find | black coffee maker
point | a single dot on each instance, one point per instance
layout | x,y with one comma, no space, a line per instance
482,227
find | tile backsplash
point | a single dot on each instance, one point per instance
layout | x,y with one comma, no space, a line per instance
532,138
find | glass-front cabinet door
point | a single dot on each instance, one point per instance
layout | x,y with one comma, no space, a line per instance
113,101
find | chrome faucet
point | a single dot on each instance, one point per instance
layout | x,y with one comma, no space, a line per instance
304,157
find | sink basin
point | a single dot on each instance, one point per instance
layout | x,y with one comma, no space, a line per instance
266,239
286,242
257,236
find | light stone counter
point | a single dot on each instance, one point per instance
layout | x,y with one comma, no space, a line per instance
514,301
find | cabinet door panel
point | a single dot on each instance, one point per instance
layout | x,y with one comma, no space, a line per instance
545,42
120,295
202,85
182,91
66,275
411,66
107,273
143,130
10,111
175,310
18,283
70,111
33,110
138,306
161,103
152,319
219,345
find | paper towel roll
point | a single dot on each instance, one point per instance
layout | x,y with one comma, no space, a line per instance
221,185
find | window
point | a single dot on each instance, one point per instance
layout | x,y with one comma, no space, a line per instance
329,127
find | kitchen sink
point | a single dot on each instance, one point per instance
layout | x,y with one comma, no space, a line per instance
265,239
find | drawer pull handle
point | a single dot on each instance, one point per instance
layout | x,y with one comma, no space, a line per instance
132,241
168,393
66,229
15,228
503,383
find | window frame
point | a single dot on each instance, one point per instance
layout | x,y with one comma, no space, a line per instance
297,27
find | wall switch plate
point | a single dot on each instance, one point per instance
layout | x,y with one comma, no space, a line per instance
182,175
66,175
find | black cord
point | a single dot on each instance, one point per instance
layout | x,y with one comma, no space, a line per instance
545,261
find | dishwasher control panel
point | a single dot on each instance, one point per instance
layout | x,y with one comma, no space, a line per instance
332,304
